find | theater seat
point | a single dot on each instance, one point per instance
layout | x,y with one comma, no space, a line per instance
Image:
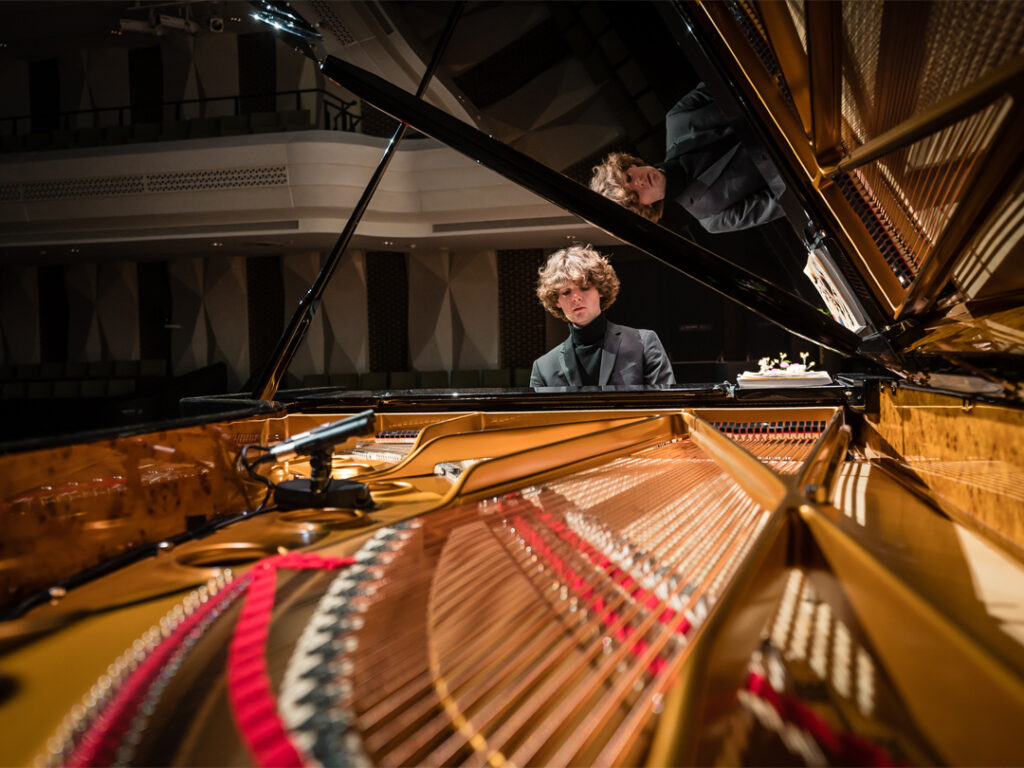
465,379
498,378
434,379
373,380
346,380
402,380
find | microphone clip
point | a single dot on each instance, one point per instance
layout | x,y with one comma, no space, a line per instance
321,490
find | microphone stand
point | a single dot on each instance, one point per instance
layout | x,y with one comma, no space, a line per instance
320,489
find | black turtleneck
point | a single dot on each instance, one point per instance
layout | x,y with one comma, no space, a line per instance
587,343
676,182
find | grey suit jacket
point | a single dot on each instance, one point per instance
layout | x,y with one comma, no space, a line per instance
709,172
629,356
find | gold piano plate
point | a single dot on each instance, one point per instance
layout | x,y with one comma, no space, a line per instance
329,517
669,590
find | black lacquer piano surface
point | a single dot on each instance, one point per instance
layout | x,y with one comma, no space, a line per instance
703,575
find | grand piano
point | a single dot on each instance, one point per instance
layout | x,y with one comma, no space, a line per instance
703,575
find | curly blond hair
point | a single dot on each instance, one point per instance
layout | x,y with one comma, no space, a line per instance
579,264
609,180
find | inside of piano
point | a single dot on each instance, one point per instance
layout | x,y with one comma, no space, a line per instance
734,586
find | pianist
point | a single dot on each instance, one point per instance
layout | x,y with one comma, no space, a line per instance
706,170
576,285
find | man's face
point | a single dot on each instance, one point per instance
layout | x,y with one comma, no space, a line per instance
580,305
648,183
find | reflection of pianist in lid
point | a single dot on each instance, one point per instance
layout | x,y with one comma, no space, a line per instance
706,170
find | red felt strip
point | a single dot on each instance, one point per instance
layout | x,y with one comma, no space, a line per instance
249,691
849,748
101,740
252,701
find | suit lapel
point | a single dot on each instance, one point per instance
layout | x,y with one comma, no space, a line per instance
710,174
567,364
609,352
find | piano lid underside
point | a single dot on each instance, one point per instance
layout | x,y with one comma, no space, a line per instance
904,118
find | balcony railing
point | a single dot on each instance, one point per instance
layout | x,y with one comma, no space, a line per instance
306,109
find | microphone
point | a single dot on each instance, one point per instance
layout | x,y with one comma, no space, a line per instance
321,438
320,489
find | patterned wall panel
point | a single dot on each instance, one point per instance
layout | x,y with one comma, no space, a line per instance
154,310
19,314
73,92
299,271
227,311
210,315
453,310
117,307
387,296
430,310
14,91
85,96
190,332
521,317
106,78
344,312
256,65
53,314
266,308
474,291
216,67
294,73
85,342
180,81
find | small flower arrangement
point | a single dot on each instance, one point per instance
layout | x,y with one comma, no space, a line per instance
781,365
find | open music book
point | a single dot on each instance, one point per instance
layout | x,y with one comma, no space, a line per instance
834,290
754,380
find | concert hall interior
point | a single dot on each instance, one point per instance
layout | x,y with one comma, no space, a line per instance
170,194
275,487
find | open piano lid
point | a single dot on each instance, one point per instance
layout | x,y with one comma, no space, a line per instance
905,157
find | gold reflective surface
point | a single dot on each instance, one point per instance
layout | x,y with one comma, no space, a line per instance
828,630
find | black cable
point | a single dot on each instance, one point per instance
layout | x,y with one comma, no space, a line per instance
251,469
